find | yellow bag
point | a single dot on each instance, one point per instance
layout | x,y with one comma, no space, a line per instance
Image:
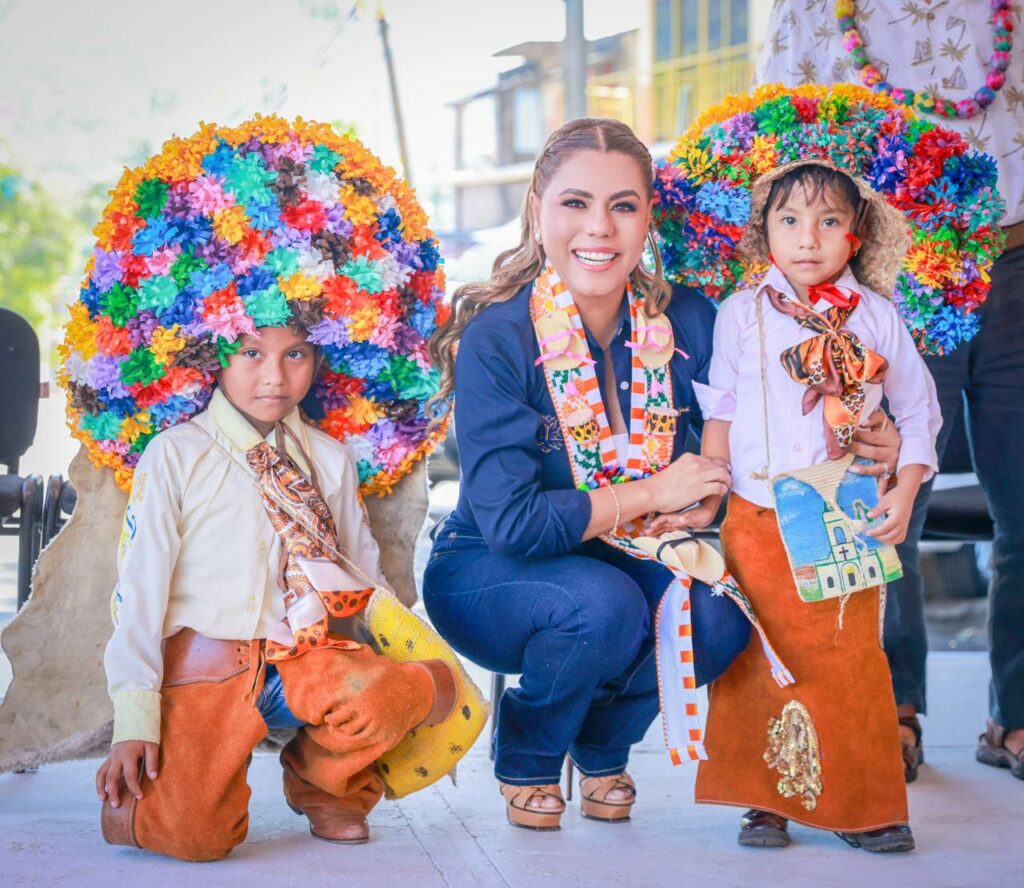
428,753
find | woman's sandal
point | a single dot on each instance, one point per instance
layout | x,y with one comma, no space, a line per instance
763,829
522,810
881,841
913,753
594,801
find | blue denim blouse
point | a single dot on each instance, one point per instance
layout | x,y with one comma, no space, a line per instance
517,494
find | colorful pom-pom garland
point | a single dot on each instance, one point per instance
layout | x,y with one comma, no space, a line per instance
235,228
946,192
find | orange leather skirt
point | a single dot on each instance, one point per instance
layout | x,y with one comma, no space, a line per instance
832,737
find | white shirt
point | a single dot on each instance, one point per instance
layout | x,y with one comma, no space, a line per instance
943,47
199,551
797,441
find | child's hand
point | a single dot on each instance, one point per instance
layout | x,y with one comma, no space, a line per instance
896,505
124,760
692,519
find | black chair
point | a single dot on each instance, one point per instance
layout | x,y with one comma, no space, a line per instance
59,503
21,498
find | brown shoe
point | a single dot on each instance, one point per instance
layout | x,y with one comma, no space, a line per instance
338,825
992,751
881,841
762,829
594,801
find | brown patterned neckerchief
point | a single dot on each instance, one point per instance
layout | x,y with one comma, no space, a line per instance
834,365
305,526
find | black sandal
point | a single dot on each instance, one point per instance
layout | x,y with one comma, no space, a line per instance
886,840
762,829
913,754
992,751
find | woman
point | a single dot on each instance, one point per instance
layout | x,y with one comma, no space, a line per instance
518,580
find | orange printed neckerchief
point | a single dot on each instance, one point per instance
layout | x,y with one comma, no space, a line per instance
834,365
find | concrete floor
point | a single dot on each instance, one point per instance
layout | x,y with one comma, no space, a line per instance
966,818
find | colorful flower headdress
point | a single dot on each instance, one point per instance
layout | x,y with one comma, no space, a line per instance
946,192
258,225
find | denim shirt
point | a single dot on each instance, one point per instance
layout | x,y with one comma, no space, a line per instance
517,495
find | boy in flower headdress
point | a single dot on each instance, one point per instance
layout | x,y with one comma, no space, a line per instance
802,355
239,273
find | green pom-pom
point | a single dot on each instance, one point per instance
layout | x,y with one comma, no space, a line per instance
151,195
121,304
141,366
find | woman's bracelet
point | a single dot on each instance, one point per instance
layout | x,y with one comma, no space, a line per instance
618,511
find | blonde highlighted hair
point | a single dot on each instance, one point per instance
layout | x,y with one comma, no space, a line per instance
523,263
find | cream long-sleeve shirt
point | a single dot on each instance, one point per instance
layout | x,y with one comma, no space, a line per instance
198,550
735,392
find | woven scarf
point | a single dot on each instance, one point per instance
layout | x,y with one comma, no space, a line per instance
576,395
305,526
834,365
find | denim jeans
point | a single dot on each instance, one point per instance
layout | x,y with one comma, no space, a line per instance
986,378
579,630
272,704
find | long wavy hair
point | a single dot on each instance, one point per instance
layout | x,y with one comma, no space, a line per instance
523,263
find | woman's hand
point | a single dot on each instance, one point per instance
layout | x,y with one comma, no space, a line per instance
688,480
692,519
879,441
124,761
896,506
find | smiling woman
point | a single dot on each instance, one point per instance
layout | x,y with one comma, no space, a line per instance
573,389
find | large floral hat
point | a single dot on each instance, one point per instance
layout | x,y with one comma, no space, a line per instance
264,224
945,192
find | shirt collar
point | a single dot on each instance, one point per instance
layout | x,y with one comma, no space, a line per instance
243,437
775,278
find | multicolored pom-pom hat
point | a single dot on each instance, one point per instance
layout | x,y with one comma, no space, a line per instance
264,224
946,194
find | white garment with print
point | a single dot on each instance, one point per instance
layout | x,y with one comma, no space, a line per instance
940,46
735,392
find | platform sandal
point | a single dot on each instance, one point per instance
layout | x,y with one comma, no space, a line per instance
594,801
522,809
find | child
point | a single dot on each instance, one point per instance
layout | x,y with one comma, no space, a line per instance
222,629
798,362
227,269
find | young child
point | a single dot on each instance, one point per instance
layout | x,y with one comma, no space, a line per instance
238,272
227,579
799,361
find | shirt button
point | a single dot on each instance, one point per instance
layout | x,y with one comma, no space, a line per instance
624,385
251,605
262,549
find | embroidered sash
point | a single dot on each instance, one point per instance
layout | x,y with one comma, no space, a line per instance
576,394
834,365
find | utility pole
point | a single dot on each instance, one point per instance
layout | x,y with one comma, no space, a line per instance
574,61
396,106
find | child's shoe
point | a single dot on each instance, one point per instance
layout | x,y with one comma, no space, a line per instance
881,841
762,829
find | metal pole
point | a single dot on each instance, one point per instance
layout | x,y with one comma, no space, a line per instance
574,61
396,107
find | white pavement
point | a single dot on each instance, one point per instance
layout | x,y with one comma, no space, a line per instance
966,818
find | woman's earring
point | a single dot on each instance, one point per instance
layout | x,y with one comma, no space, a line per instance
536,237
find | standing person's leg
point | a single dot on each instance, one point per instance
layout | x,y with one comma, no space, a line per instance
208,716
905,634
996,425
569,626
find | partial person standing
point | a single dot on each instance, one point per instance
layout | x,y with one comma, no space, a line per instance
953,57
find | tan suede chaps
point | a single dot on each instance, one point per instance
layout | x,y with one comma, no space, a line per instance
357,704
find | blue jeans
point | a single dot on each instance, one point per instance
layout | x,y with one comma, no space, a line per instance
579,629
272,704
985,377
